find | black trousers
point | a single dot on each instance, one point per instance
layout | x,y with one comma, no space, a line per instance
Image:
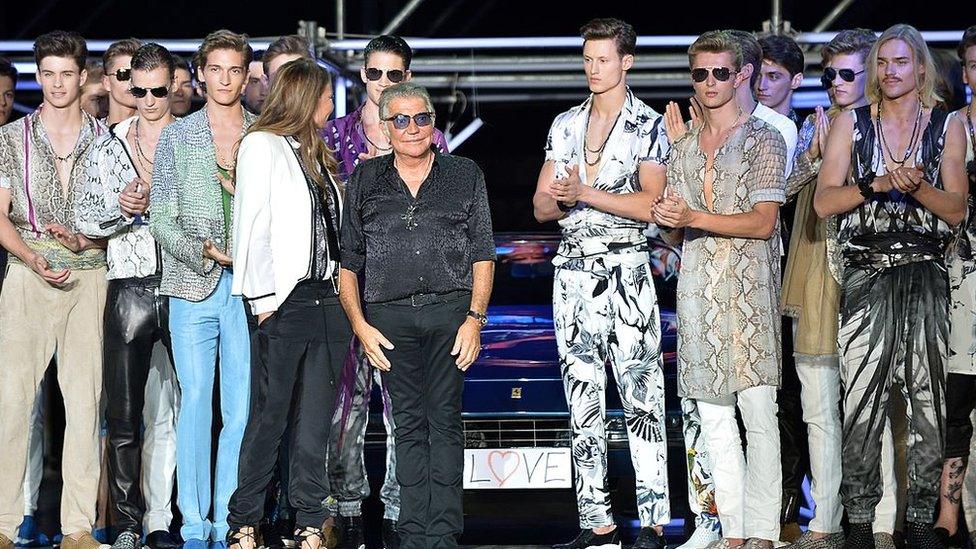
296,359
425,389
894,328
3,266
792,431
136,317
960,399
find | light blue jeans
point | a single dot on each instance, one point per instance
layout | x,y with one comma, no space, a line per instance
198,329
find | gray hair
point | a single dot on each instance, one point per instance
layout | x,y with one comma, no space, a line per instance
400,91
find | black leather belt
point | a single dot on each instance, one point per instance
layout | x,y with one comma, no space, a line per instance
419,300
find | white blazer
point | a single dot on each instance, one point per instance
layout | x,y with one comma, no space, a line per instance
272,222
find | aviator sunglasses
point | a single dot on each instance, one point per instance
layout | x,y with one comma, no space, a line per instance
722,74
394,75
122,74
160,92
401,121
830,73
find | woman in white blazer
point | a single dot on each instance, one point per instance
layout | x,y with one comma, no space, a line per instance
287,212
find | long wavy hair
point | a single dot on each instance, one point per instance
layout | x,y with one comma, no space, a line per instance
289,110
925,82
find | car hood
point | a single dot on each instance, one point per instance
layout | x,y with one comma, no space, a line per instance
519,342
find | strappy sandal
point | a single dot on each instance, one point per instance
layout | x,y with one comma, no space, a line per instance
239,537
303,535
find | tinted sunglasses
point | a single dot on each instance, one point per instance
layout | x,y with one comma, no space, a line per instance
395,75
722,74
159,92
123,74
401,121
830,73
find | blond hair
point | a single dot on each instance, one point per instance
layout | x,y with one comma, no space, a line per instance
718,41
925,79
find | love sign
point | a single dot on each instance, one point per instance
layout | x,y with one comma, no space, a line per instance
517,468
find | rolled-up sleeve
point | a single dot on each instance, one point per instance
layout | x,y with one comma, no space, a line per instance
480,234
353,242
766,181
654,144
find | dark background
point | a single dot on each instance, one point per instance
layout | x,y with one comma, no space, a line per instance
509,146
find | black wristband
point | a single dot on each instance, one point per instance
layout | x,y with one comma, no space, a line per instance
564,207
864,186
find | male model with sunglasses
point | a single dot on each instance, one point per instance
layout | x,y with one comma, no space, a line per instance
605,165
192,211
117,64
114,201
701,485
726,182
355,137
811,295
894,172
54,292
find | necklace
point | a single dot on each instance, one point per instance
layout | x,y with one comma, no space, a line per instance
375,146
141,155
598,152
220,162
430,164
727,133
971,165
64,158
910,148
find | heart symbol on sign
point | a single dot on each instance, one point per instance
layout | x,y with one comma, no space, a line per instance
503,458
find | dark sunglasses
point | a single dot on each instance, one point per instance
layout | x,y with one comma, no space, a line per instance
722,74
401,121
830,73
159,92
395,75
123,74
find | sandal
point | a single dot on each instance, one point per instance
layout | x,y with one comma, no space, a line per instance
242,538
303,535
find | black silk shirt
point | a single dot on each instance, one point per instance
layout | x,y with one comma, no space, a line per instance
405,245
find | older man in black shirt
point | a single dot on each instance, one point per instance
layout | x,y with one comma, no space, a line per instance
417,221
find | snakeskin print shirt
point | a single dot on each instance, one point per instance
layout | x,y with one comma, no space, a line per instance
28,171
728,297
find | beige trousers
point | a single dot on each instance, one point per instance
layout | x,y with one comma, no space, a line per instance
37,321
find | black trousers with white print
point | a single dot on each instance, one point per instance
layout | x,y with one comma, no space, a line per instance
893,330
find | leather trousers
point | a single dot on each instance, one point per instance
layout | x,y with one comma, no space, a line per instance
136,317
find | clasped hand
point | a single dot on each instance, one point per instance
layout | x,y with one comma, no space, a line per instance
567,190
671,210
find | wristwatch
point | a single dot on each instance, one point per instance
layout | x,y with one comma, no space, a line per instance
482,319
564,207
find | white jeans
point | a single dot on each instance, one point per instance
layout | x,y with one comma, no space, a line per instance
35,454
748,489
820,398
159,441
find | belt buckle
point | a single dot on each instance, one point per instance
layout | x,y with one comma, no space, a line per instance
413,300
